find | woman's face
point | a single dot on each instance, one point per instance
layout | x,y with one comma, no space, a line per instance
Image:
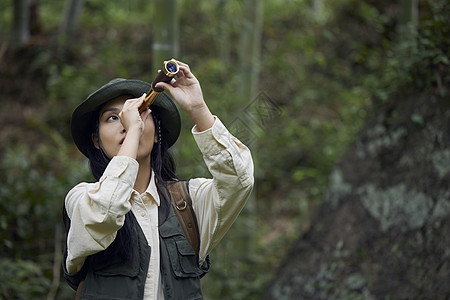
112,133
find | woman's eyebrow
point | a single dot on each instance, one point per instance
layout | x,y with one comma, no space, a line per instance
113,109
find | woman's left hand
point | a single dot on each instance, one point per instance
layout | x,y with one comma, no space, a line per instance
188,94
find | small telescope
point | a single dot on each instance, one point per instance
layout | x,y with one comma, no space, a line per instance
170,69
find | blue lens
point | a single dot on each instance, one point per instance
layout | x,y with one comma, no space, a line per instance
171,67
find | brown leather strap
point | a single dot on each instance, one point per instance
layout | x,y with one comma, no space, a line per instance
182,205
79,289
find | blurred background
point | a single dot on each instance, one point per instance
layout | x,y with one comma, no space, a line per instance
344,104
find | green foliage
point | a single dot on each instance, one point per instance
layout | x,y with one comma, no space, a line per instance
321,71
417,59
22,279
36,175
116,13
35,178
5,17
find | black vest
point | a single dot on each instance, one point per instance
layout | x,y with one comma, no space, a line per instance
116,278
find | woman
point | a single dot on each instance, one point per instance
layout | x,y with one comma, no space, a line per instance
123,240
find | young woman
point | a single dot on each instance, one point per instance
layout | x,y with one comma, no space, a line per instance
124,240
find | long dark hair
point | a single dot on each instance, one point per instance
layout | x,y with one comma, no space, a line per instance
163,166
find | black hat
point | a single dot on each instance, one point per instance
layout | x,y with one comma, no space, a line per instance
84,116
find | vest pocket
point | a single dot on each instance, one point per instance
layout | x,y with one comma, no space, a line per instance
182,258
107,286
187,257
114,266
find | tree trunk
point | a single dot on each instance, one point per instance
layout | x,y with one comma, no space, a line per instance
69,23
318,9
250,48
223,41
21,23
249,61
165,34
408,18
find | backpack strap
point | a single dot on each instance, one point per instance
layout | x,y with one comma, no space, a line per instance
182,205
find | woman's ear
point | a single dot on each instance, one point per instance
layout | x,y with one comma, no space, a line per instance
95,140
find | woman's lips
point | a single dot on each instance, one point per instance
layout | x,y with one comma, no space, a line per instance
121,141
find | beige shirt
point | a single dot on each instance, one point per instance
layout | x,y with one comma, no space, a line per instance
97,210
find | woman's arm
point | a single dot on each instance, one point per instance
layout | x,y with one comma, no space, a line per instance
97,211
217,202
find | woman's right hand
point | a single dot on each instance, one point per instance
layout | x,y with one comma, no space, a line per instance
130,117
133,125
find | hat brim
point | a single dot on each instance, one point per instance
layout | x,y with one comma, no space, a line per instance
84,116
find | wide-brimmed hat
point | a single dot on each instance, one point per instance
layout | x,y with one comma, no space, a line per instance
85,115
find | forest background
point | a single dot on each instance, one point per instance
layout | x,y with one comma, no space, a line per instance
295,80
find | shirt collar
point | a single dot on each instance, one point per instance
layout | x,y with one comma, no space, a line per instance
152,190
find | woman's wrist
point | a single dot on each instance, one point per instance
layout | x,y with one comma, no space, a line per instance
130,143
202,117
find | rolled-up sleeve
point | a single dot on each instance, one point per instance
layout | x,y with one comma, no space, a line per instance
97,210
218,201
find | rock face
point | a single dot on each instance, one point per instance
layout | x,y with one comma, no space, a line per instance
383,231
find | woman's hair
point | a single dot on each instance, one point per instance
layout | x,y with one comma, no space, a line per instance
163,166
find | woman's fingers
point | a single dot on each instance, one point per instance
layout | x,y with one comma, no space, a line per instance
131,107
184,69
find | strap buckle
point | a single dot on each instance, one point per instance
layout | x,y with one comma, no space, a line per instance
183,207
